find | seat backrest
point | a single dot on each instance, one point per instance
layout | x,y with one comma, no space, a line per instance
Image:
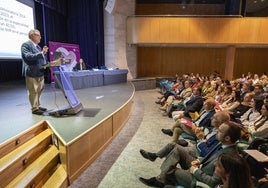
257,142
257,168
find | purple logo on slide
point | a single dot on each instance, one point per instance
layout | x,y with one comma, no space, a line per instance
68,51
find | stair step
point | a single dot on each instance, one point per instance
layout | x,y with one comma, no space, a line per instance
26,177
57,179
11,157
15,142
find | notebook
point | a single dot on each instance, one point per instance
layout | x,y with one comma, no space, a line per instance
259,156
187,122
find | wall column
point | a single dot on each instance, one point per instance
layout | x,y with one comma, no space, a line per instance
230,59
117,53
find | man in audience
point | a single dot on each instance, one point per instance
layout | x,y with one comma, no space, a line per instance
202,123
192,105
192,169
177,98
245,89
258,91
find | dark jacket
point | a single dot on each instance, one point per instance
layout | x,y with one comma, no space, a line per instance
206,147
206,121
206,173
195,104
32,60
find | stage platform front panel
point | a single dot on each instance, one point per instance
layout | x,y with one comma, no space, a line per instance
114,76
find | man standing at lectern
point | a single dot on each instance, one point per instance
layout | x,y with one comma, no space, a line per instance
33,60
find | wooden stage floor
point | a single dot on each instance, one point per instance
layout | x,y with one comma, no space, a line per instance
98,103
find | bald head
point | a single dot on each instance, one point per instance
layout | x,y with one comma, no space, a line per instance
219,118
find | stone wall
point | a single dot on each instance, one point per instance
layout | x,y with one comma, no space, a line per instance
117,53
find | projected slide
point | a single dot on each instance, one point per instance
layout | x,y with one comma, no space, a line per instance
16,19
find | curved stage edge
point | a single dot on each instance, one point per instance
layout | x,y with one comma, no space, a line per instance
82,138
81,151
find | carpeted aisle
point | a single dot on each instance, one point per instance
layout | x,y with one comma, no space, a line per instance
130,165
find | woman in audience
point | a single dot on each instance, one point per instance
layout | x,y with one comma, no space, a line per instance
260,126
206,88
238,85
227,94
244,106
219,93
255,79
213,90
253,113
196,82
233,102
226,83
233,171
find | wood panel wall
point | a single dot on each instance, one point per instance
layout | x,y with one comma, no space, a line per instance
167,61
193,30
170,45
254,60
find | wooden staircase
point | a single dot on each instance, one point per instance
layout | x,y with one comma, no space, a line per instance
32,159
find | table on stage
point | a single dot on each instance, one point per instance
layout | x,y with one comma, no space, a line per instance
88,78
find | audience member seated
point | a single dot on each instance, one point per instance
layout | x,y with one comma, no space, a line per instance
192,105
213,90
233,171
259,128
179,98
165,85
244,106
227,94
190,168
205,142
219,94
258,91
196,82
253,113
255,79
232,102
265,99
174,90
206,88
203,122
219,80
245,89
226,82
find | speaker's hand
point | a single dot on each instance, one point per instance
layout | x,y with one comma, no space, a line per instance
44,50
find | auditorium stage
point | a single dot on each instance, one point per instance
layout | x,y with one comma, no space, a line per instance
79,138
99,103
